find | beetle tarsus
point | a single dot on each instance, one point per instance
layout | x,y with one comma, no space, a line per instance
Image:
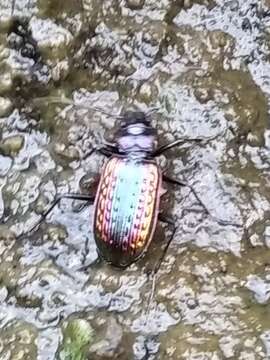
72,196
13,7
175,143
182,183
169,222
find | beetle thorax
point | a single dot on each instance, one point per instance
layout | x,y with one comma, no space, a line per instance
137,137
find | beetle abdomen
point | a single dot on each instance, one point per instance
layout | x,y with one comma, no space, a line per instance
126,209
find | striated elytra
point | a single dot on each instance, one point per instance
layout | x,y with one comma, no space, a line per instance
126,208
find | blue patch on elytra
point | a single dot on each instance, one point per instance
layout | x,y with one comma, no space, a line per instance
127,190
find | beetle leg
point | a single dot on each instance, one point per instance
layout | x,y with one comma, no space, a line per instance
166,147
170,223
81,197
93,264
182,183
88,185
105,150
171,145
108,150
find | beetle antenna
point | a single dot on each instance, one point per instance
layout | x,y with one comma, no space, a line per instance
152,110
66,101
13,7
98,109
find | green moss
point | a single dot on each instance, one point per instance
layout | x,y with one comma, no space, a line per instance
78,335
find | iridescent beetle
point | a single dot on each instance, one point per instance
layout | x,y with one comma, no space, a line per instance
128,195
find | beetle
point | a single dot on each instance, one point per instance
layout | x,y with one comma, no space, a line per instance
126,204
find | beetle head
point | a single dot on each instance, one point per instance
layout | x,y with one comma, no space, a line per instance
136,133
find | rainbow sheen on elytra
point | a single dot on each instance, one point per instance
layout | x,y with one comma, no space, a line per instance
126,208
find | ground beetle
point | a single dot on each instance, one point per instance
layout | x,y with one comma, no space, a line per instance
129,190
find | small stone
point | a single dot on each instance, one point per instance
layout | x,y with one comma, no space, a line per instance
60,71
29,301
219,39
260,288
5,82
265,337
267,236
233,5
68,153
4,52
3,294
135,4
41,204
202,95
255,240
6,235
57,233
5,106
109,346
5,21
192,303
227,345
21,354
5,165
51,38
223,266
148,92
88,183
12,145
187,4
246,25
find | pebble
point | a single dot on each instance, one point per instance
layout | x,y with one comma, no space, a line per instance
51,38
135,4
68,153
12,145
5,165
56,233
3,294
109,346
259,287
192,303
6,235
5,106
187,4
60,71
202,95
5,82
267,236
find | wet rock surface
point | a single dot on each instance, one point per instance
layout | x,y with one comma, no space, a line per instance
205,65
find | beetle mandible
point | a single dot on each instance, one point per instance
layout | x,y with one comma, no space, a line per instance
126,204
